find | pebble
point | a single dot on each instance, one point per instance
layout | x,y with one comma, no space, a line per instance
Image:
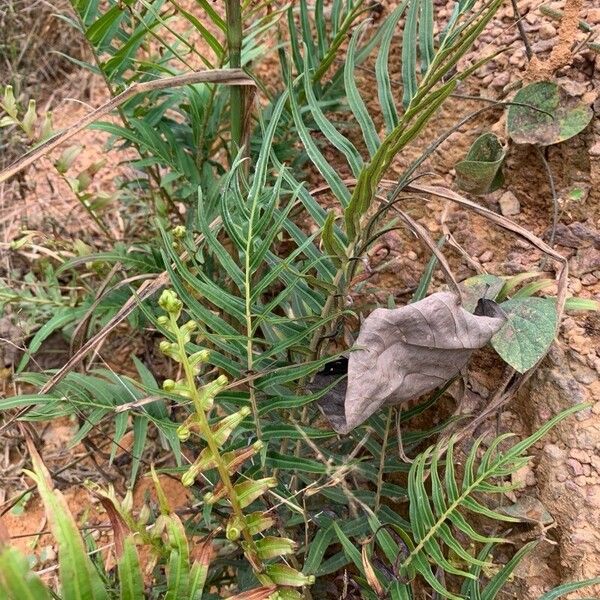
595,149
547,31
580,455
486,257
542,46
574,467
554,453
509,204
575,286
593,16
501,79
589,279
574,88
412,255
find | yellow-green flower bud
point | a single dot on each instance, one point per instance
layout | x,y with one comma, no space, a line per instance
178,232
190,326
168,385
183,433
234,529
163,320
199,357
188,478
169,302
284,575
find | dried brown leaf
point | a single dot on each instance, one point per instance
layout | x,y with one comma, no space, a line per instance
405,352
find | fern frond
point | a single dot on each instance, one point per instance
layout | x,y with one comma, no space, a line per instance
433,515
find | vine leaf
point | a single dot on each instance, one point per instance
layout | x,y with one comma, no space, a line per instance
474,288
481,170
528,332
405,352
555,116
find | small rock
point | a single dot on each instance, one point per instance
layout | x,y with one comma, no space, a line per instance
593,16
412,255
486,257
554,453
542,46
520,477
575,286
577,235
501,79
547,31
509,204
580,455
593,496
585,261
595,149
589,279
584,375
574,467
573,88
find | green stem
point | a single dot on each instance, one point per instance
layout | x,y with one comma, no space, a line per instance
233,12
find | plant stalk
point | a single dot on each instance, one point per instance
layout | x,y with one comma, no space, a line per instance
233,16
207,435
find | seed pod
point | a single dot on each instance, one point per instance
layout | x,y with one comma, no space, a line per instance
234,460
258,521
272,547
248,491
284,575
222,430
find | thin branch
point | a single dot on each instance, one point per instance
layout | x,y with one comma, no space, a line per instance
553,192
522,32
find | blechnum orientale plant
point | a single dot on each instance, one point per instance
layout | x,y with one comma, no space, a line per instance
283,507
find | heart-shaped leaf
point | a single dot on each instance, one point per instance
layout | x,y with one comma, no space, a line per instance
406,352
480,286
481,170
554,116
528,332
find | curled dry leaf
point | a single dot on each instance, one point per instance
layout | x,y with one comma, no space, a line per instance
405,352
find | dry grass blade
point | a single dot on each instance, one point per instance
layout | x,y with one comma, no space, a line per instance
220,76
